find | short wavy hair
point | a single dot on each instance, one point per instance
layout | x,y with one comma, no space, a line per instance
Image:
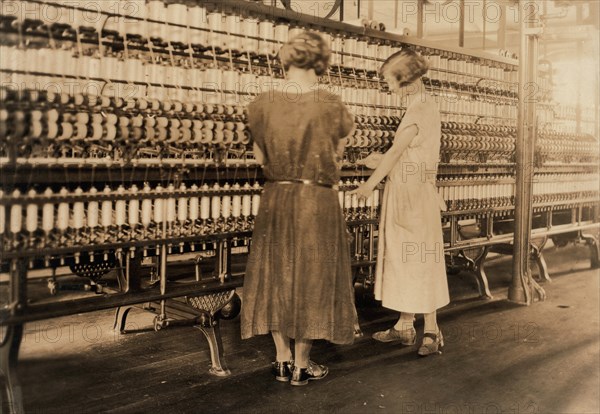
406,66
308,50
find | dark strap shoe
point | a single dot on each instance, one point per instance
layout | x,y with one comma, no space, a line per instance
432,347
283,370
301,376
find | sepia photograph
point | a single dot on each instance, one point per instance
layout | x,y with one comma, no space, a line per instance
300,206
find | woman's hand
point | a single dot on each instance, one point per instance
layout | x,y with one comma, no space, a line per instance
372,161
363,191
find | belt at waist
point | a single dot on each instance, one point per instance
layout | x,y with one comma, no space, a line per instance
305,182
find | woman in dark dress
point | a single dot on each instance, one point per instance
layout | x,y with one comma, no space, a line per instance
298,282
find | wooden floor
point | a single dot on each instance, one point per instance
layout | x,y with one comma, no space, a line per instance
499,358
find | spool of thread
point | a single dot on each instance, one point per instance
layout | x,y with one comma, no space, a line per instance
78,211
236,202
92,210
336,49
233,29
197,16
106,210
226,203
376,194
213,78
246,202
350,47
362,48
108,67
249,83
146,206
354,197
159,205
231,80
361,201
256,199
215,206
295,31
48,213
31,221
266,32
63,212
282,34
205,204
250,29
177,16
171,205
194,213
347,198
120,207
134,207
156,12
182,205
2,215
16,214
215,23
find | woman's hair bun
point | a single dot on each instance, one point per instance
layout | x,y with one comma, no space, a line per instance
308,50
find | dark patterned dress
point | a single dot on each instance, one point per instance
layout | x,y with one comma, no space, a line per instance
298,277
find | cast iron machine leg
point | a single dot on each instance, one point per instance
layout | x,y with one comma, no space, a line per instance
594,246
211,305
11,399
480,276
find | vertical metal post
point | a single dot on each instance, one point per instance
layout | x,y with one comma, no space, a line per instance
501,37
484,28
461,27
420,21
578,108
523,288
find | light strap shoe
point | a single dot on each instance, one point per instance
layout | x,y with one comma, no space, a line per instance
407,336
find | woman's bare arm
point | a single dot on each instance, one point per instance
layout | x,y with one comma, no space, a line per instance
258,155
388,161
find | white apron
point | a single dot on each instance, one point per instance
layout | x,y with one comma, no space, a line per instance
411,271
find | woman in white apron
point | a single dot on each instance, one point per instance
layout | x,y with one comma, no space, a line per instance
411,272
